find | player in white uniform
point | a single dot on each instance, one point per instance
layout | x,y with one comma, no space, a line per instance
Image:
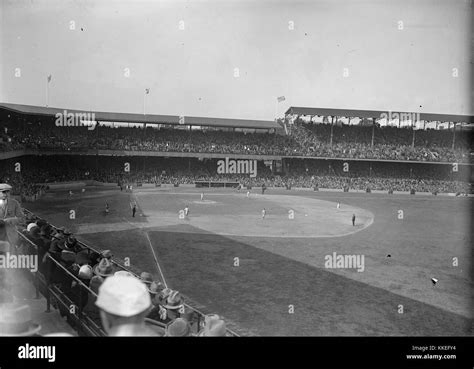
264,212
186,211
338,205
248,194
202,196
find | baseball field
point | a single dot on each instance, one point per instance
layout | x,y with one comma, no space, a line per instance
287,274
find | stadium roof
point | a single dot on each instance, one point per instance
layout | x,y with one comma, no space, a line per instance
296,110
148,118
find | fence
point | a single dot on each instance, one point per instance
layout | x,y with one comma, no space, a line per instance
54,281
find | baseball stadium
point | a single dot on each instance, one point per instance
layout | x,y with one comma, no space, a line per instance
304,245
236,168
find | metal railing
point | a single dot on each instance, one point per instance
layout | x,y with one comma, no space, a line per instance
73,309
199,314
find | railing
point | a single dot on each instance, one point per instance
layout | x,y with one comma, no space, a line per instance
54,291
72,309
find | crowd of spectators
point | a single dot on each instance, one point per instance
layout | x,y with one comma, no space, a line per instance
311,140
39,172
116,299
354,142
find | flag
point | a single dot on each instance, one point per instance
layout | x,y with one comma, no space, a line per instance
147,91
49,78
281,98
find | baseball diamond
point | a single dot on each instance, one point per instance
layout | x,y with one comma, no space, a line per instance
301,170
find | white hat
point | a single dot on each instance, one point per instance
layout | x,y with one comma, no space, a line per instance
123,296
85,272
30,226
5,187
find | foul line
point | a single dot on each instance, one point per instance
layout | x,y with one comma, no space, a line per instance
152,250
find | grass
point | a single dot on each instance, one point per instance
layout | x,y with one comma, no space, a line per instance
276,272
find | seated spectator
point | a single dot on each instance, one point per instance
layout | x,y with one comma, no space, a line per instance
91,309
157,312
79,293
104,269
146,278
213,326
107,254
83,257
174,305
124,303
178,328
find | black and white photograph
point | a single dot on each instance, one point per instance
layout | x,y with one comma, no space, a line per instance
263,172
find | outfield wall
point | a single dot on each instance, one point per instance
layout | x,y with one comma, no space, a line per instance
90,183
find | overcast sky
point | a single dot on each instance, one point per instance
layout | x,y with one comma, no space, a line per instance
191,71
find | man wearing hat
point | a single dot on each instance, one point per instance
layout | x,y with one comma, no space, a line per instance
104,269
124,303
157,312
10,215
213,326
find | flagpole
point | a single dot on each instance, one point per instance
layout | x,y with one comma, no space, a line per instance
47,92
276,111
144,101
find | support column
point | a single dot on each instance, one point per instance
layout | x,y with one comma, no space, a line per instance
454,134
373,132
332,126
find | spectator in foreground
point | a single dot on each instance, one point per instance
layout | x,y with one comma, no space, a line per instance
10,215
16,320
124,303
214,326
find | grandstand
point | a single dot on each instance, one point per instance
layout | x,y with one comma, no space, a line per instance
239,170
178,157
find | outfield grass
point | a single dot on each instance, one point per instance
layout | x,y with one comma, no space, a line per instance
275,272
